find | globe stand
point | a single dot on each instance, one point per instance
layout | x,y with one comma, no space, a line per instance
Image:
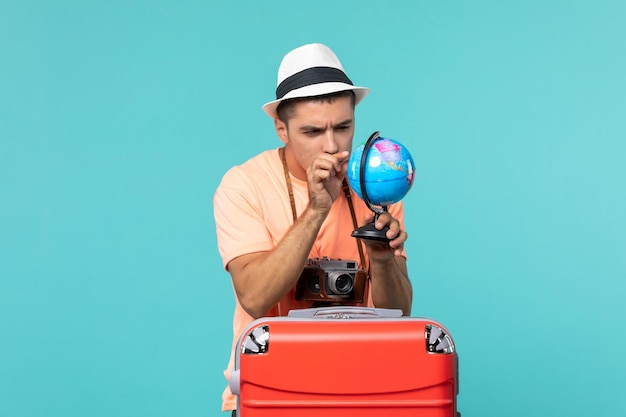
369,231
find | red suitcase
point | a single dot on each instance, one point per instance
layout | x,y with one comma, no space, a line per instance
345,361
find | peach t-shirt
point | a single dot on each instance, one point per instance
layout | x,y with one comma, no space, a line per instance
252,214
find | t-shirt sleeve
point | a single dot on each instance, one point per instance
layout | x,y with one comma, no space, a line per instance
239,220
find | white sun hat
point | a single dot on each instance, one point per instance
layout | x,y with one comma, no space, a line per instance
308,71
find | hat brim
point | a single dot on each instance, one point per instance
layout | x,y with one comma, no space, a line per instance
316,90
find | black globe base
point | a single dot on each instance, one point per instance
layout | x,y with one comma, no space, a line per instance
370,232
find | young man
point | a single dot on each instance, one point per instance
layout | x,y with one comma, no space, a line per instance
286,205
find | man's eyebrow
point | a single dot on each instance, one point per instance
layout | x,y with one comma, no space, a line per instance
308,128
345,122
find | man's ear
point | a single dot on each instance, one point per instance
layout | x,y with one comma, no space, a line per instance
281,130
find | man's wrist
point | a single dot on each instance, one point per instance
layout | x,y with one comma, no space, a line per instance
383,261
316,214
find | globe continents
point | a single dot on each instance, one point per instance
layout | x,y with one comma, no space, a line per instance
389,171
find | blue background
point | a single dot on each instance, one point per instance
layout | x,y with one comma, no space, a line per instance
118,119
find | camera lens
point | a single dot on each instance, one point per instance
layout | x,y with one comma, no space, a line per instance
340,283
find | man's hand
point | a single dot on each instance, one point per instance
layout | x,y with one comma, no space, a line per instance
381,250
324,178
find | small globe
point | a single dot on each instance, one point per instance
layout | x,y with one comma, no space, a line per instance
389,171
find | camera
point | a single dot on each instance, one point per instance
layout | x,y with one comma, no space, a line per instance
334,280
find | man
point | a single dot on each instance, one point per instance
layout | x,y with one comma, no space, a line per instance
287,205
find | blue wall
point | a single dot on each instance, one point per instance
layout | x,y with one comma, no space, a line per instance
117,120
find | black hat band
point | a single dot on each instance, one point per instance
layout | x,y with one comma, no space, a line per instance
310,76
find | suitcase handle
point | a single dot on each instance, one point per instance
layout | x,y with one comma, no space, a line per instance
343,312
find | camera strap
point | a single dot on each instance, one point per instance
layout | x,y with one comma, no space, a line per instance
346,192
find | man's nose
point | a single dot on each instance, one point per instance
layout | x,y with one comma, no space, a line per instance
330,144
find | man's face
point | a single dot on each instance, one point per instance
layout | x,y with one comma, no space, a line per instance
316,127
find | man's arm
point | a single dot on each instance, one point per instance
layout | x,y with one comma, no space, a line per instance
391,287
262,279
390,283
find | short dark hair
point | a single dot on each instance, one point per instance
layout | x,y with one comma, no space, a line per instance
285,108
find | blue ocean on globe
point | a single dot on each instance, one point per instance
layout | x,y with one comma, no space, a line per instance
389,171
